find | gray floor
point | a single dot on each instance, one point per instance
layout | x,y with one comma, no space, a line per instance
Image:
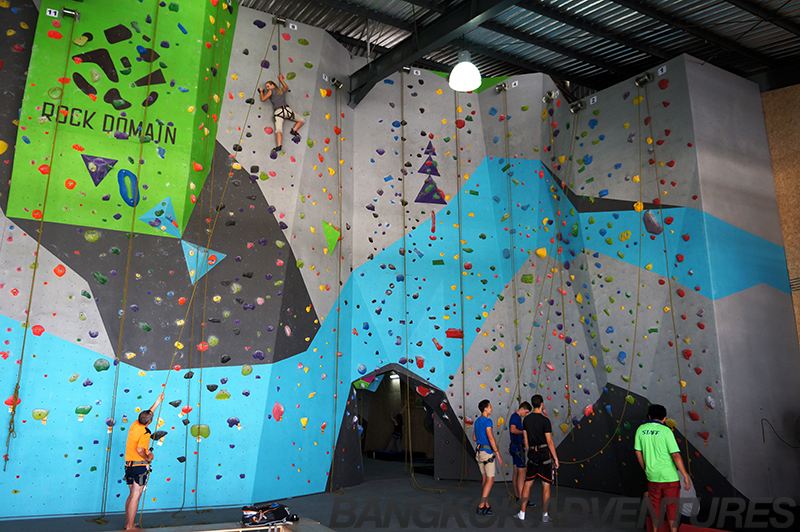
413,503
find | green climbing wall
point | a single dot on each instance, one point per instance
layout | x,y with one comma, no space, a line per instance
114,118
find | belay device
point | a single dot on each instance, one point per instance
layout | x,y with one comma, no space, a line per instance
267,513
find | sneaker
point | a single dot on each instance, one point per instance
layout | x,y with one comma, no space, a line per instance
520,516
277,149
545,518
487,510
479,510
295,134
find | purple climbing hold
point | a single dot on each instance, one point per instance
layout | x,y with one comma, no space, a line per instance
651,225
260,24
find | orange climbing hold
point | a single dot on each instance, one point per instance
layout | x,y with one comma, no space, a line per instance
60,270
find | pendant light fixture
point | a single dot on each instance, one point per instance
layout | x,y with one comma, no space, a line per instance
465,76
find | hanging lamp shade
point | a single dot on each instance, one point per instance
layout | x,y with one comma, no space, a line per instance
465,76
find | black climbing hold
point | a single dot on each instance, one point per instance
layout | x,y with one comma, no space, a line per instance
157,435
117,34
176,403
212,387
225,282
249,275
237,147
181,459
188,375
224,359
83,84
204,107
237,331
230,223
101,58
249,101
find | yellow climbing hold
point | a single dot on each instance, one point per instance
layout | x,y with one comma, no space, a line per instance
649,140
191,109
671,423
625,235
3,147
636,179
563,428
638,206
331,171
323,92
637,100
562,159
544,114
594,360
648,267
666,309
236,166
234,76
438,91
579,297
626,125
541,252
178,345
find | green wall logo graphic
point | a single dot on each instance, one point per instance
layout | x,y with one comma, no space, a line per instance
120,112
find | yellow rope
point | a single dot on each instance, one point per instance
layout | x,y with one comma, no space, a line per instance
671,303
12,433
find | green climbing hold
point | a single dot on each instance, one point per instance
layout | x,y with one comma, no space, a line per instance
101,364
609,369
526,107
86,294
308,65
200,430
575,228
247,369
173,6
300,264
527,278
223,394
310,143
74,377
302,42
213,340
91,235
291,75
145,327
264,176
629,398
102,279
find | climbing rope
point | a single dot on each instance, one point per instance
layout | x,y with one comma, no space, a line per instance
339,259
12,433
671,303
462,272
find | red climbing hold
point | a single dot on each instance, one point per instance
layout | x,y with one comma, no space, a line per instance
705,436
662,282
202,346
671,164
663,84
679,257
668,220
337,130
44,169
70,183
53,34
698,371
37,330
647,121
197,166
701,325
684,398
665,104
60,270
454,333
693,415
681,292
667,132
37,214
423,391
656,202
460,123
685,238
687,354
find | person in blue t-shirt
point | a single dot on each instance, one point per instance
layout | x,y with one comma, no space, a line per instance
516,446
486,454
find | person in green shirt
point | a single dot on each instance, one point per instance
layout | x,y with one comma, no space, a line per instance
659,456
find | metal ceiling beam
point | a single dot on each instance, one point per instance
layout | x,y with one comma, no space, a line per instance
367,13
777,78
530,65
555,47
576,22
675,22
455,23
430,6
426,63
768,15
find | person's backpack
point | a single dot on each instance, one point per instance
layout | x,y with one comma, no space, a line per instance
266,513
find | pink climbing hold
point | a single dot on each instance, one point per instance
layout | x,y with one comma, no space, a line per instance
277,411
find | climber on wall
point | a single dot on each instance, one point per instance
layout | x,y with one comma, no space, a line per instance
137,461
280,110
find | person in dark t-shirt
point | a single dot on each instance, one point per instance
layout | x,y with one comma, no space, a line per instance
516,449
542,458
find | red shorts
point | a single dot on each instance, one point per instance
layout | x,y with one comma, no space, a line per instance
660,490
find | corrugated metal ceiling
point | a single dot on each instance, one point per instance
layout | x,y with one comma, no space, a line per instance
592,42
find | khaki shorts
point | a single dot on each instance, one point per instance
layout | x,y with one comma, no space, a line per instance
486,467
281,114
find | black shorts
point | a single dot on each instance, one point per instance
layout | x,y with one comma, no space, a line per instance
540,465
138,474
